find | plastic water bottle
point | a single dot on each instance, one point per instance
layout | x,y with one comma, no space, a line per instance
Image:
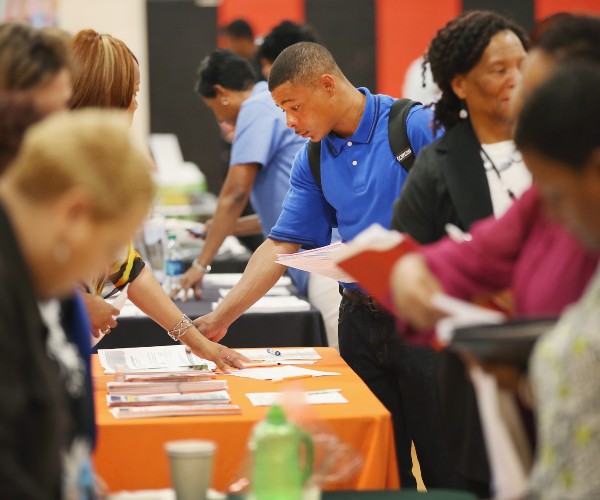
283,457
173,265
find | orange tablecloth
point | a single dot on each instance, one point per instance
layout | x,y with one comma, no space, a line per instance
130,453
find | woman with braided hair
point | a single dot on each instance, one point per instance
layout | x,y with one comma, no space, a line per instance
472,172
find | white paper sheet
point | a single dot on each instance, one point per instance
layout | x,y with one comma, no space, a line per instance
461,314
276,304
118,303
229,280
303,353
172,357
318,261
276,291
280,373
509,479
328,396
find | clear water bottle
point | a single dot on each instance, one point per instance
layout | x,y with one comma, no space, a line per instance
283,458
173,265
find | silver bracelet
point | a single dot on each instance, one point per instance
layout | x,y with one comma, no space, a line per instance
180,329
200,267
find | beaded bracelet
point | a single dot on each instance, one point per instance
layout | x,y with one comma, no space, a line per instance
180,329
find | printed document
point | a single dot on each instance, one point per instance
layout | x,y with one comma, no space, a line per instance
327,396
318,261
171,357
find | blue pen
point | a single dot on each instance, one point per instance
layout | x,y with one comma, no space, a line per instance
271,351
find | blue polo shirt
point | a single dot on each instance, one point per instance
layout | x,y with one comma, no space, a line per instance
360,176
262,136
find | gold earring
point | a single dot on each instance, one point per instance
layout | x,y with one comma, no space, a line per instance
224,102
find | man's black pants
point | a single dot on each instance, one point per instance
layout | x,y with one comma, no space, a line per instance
403,378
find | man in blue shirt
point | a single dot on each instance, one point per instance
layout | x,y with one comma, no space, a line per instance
262,155
360,179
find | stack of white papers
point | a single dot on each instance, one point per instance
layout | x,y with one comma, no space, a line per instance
171,358
146,388
276,304
212,397
327,396
318,261
175,410
276,291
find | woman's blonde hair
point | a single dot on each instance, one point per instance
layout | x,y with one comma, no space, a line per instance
31,57
104,71
91,149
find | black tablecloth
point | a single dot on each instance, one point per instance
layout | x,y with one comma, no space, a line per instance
284,329
391,494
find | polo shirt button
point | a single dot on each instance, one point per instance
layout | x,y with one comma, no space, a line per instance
349,143
355,163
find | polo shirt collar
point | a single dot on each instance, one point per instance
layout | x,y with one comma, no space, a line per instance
365,129
259,87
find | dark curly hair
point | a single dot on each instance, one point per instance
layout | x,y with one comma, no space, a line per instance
224,68
456,49
282,36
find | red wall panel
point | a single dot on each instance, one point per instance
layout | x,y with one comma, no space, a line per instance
403,30
545,8
262,15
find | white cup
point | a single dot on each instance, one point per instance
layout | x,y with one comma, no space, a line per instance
191,462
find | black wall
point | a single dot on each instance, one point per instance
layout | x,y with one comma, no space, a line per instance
521,11
347,29
180,34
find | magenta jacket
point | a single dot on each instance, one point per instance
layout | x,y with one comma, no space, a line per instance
544,265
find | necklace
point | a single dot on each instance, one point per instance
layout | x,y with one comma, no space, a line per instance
489,164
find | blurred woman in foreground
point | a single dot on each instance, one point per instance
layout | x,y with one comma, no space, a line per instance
63,212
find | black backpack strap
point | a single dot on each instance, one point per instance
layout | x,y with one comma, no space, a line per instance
398,135
314,161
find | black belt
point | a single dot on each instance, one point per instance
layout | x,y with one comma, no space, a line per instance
362,298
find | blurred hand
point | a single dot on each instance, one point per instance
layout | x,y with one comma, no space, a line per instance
102,314
413,286
222,356
209,328
191,280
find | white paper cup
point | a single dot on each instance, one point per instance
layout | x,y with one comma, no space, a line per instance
191,463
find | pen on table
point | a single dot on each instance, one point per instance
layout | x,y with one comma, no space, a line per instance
274,352
456,234
285,379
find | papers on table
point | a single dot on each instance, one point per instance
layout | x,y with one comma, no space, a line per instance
130,310
229,280
304,353
276,304
145,388
175,410
172,358
212,397
327,396
318,261
280,373
461,314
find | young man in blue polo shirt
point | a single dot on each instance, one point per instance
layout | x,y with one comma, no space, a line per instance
262,154
360,179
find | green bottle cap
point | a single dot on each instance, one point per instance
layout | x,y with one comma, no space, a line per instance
276,415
